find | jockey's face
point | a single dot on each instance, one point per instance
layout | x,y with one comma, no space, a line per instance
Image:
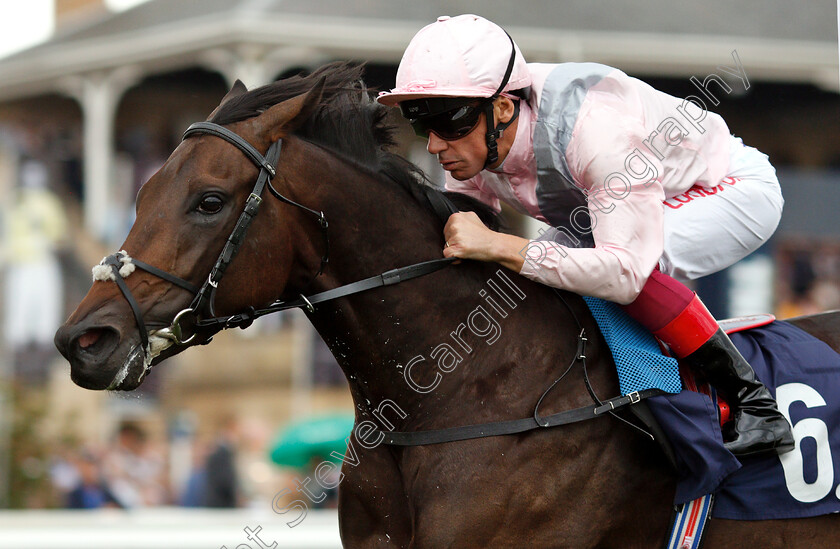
465,157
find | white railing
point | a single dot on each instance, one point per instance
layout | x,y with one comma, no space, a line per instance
166,528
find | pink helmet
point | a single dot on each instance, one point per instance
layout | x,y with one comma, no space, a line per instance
463,56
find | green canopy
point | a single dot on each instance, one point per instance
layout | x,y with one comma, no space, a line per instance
315,437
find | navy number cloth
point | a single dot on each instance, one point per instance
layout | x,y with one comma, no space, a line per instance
804,375
801,371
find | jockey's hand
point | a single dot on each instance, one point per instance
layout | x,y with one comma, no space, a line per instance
468,238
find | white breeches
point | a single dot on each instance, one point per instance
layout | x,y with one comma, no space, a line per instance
707,230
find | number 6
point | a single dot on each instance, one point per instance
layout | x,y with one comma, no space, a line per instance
792,462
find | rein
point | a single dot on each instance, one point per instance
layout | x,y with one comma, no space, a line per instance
394,276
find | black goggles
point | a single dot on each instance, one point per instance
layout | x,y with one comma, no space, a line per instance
450,124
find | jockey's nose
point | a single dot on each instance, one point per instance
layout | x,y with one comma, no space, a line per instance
436,144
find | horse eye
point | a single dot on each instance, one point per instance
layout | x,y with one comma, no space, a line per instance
210,204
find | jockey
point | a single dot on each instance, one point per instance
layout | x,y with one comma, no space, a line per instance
597,154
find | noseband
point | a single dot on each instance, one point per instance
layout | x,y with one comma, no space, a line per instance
200,315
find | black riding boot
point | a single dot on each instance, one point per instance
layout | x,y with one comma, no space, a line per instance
758,425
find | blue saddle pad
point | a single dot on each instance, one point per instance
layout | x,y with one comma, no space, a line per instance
638,360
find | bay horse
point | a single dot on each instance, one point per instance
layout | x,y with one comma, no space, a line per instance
585,485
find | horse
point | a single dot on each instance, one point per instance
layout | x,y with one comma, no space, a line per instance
454,344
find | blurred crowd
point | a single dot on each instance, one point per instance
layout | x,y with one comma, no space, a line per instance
133,471
808,278
34,230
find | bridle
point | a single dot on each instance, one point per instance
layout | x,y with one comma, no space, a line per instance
205,295
200,315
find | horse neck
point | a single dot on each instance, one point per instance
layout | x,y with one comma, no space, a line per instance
376,226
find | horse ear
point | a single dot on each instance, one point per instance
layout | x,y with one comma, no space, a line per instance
237,90
286,117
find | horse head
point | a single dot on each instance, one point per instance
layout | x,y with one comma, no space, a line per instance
185,213
235,222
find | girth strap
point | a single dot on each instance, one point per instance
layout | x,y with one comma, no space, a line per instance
438,436
537,421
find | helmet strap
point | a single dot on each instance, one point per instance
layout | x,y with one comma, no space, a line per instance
495,131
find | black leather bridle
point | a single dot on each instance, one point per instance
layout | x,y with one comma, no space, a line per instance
200,315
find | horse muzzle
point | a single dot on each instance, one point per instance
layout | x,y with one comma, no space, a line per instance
93,351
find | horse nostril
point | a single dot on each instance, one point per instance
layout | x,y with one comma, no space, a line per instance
89,338
96,340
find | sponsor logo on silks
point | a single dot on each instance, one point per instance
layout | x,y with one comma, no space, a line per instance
697,191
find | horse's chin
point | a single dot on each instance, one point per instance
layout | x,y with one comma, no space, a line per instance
138,364
139,361
132,372
98,376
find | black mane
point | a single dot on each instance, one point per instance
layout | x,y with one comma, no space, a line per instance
349,122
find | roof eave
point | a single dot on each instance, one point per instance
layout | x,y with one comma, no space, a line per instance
45,68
